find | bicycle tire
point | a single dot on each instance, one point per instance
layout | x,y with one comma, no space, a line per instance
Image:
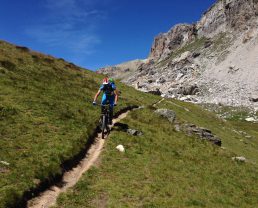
103,126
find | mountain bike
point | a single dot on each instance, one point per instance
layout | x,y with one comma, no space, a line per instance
104,118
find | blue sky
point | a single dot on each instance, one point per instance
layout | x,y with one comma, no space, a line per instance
94,33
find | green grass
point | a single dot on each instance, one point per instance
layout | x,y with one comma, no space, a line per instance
238,113
226,130
163,168
46,116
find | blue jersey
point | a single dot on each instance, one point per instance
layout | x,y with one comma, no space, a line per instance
108,94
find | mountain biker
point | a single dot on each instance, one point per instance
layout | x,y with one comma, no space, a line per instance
110,95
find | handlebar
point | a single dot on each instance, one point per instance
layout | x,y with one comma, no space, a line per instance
97,104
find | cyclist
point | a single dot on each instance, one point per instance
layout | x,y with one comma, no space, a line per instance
110,95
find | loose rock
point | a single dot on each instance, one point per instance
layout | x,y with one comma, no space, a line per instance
254,99
189,90
169,114
239,159
134,132
202,133
5,163
120,148
250,119
177,127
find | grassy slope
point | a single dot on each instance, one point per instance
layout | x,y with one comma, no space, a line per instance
164,168
46,116
226,130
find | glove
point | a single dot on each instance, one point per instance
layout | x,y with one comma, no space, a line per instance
94,103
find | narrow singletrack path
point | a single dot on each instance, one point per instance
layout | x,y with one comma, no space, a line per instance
155,104
70,178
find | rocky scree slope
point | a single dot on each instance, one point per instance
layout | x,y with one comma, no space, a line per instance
211,61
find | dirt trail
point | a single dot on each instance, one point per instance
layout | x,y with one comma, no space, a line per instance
70,178
155,104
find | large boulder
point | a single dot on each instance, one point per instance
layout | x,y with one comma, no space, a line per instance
254,98
169,114
155,92
188,90
202,133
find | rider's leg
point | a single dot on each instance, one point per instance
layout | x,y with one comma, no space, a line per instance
103,102
111,102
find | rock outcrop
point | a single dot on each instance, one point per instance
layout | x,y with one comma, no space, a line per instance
202,133
177,37
223,16
134,132
168,114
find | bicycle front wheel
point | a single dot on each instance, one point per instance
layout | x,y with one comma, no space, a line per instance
103,126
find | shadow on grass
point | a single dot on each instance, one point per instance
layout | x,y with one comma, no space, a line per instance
66,166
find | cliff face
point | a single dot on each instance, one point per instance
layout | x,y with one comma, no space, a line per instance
225,15
177,37
228,15
214,60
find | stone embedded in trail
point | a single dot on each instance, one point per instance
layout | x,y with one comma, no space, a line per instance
169,114
134,132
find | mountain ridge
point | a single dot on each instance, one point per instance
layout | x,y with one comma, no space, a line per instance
212,54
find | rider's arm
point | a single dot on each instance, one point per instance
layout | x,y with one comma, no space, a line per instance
96,96
115,92
116,96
